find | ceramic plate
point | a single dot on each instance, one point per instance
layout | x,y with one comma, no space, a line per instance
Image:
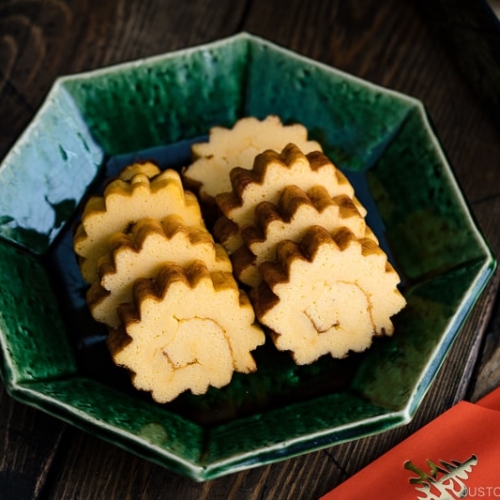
54,357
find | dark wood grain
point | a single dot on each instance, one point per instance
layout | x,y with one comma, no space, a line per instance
390,43
28,445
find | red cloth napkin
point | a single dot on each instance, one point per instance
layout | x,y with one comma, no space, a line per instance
455,456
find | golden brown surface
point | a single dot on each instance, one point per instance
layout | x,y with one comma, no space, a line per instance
271,172
289,219
333,292
237,147
390,43
142,191
186,329
140,252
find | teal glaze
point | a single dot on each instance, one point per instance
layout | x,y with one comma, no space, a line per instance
105,409
301,426
352,120
164,99
54,355
46,173
430,227
33,339
398,370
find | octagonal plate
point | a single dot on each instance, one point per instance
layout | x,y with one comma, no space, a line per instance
53,353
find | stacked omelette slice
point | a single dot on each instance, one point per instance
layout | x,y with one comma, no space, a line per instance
297,236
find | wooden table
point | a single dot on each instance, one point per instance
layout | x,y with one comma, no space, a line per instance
390,43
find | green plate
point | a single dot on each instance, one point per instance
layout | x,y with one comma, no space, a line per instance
53,353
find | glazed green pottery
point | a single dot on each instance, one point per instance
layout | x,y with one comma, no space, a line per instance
53,353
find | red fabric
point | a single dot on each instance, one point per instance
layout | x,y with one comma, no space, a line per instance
466,436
